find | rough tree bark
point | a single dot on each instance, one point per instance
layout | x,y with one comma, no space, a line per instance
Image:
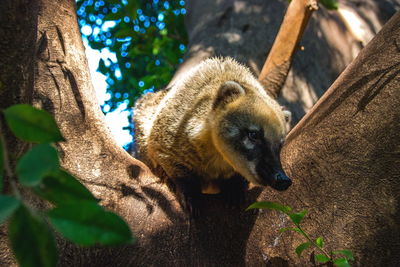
342,156
346,155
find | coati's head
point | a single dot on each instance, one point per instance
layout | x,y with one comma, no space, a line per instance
249,129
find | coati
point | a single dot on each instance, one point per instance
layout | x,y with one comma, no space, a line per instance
216,125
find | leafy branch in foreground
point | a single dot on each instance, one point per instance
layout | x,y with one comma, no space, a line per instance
75,212
296,217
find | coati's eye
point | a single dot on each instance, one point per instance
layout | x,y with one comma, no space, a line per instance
254,136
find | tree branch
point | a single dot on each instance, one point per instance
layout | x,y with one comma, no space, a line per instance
277,65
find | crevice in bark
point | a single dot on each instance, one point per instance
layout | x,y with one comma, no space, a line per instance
75,90
61,39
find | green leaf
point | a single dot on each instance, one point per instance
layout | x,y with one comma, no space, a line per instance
1,166
102,67
297,217
347,253
60,187
97,45
86,223
131,8
113,16
270,205
341,262
31,124
321,258
31,240
8,204
123,33
300,248
319,242
330,4
37,163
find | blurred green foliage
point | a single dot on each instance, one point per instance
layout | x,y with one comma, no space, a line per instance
147,37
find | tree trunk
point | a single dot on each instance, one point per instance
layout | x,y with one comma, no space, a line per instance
42,62
345,155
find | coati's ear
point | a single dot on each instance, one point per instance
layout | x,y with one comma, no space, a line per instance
228,92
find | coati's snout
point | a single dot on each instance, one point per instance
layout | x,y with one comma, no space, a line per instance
269,169
277,179
281,182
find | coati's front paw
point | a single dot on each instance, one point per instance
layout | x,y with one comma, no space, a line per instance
233,190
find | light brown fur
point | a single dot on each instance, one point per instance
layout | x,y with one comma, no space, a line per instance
175,129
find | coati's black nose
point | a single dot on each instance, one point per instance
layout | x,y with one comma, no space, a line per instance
281,181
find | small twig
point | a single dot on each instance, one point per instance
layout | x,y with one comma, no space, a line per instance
7,167
313,243
14,189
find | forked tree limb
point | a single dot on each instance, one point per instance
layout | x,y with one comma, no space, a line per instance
44,63
277,65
